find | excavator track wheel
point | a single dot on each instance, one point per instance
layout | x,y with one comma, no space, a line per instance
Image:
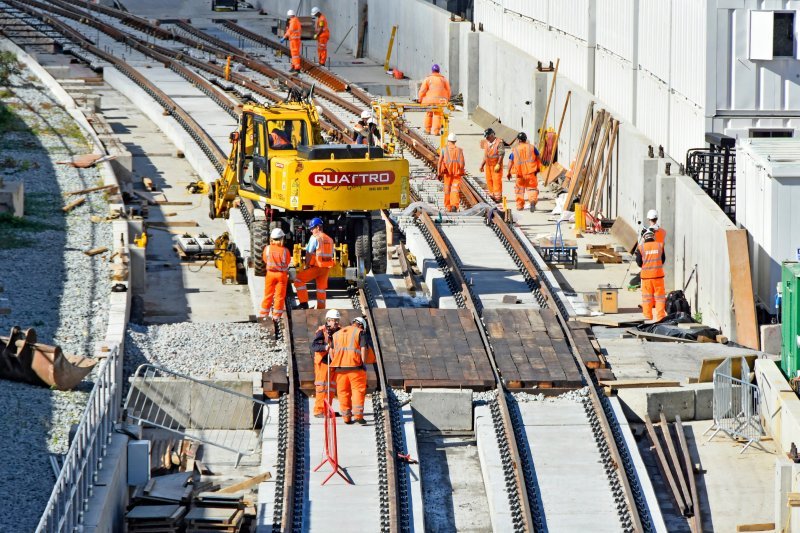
259,238
378,234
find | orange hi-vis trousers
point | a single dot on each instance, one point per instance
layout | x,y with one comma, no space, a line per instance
452,192
432,123
526,187
294,48
322,48
314,273
653,292
274,294
322,385
494,179
351,389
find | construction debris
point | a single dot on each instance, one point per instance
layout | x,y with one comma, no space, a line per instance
95,251
73,204
86,160
112,189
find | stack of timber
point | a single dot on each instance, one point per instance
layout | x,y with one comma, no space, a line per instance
591,170
604,253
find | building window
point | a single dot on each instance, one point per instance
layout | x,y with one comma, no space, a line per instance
772,133
771,34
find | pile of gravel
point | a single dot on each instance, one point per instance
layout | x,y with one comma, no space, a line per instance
202,349
401,395
50,285
577,395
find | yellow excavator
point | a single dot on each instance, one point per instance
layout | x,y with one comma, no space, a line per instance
281,173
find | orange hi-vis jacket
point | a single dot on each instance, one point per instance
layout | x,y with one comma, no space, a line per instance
434,90
652,266
347,344
294,29
322,30
277,258
451,161
492,154
525,161
323,255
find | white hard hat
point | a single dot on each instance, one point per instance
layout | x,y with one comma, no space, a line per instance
652,214
277,234
314,11
452,137
361,321
290,13
366,114
333,314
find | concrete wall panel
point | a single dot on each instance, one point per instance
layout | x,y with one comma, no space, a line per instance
615,83
575,18
687,55
686,127
654,36
652,107
616,24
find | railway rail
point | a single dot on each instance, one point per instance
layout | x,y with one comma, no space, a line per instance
525,508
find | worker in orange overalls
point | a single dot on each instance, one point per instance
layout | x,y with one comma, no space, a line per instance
524,163
434,90
324,377
293,33
651,257
318,264
276,258
351,354
494,150
450,170
322,34
660,233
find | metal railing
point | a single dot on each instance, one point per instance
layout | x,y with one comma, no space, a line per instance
736,404
196,410
73,488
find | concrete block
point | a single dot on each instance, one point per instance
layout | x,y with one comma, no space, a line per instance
442,409
783,486
703,401
106,507
138,462
771,338
12,197
672,401
789,426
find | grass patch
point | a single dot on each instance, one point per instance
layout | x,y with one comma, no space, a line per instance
14,230
9,120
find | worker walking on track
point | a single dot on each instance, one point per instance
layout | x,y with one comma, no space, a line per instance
650,256
318,264
434,90
322,34
351,354
524,164
276,258
324,376
293,34
450,170
494,150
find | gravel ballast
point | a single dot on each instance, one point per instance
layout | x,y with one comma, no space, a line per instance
50,285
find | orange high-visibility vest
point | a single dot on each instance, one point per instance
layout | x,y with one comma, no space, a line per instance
277,140
322,357
493,150
661,235
322,27
293,29
549,146
347,344
323,255
451,161
434,90
652,266
525,160
277,258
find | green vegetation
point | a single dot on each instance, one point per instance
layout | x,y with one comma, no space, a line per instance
9,66
18,232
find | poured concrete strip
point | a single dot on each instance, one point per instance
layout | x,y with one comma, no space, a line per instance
269,454
492,470
416,506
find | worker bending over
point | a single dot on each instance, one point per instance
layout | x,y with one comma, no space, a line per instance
351,354
322,348
318,264
450,170
494,150
434,90
321,33
524,164
293,34
276,258
660,233
650,256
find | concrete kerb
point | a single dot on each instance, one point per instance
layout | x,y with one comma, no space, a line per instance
417,509
690,402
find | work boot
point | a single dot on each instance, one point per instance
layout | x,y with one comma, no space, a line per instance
303,305
427,132
360,420
347,419
319,415
533,207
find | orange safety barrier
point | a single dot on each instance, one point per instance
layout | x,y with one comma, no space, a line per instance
331,450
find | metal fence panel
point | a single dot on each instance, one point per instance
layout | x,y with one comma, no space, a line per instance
736,404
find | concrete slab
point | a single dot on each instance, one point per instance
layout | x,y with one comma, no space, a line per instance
442,409
478,251
492,470
413,471
492,286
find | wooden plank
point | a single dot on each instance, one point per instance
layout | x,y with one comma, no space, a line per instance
73,204
638,383
477,384
697,520
741,283
624,234
656,337
246,484
709,364
405,356
445,332
663,466
676,465
768,526
614,320
93,189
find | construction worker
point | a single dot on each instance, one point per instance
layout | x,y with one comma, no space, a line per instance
450,170
321,33
494,150
650,256
318,264
277,139
434,90
322,347
276,258
351,352
524,163
366,126
660,233
293,34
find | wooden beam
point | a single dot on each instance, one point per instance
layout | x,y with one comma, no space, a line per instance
638,383
663,466
246,484
697,519
676,464
744,305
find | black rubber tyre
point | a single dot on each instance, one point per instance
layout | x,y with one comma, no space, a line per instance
379,258
363,245
259,238
212,193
